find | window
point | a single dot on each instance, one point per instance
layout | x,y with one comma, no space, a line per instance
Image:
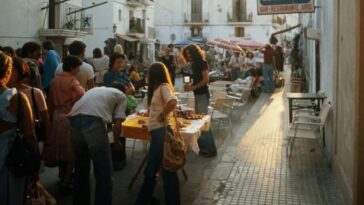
120,15
196,32
239,32
196,11
239,11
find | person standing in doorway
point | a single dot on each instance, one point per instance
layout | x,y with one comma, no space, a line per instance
268,52
200,76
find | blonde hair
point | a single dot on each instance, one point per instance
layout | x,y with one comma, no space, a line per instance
118,49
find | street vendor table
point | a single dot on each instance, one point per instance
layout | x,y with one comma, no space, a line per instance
303,96
131,128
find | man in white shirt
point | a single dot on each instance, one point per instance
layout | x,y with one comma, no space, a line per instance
88,119
235,64
86,75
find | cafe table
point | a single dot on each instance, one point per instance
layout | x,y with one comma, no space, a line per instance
135,127
314,97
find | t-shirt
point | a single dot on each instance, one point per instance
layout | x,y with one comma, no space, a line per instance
161,96
250,61
119,76
197,68
51,62
102,102
236,62
101,64
86,73
268,56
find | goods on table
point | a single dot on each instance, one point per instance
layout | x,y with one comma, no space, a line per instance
189,115
142,114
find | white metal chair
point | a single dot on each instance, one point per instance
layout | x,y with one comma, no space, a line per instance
240,99
222,111
307,126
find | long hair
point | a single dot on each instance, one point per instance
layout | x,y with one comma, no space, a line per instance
21,67
157,74
195,51
5,64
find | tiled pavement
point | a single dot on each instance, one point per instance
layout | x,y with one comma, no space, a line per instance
253,167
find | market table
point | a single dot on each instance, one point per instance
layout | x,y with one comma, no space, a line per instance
132,128
303,96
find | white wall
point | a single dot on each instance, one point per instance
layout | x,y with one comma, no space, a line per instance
20,21
169,20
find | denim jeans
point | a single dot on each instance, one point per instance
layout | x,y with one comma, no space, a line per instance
206,141
235,73
90,141
268,78
154,164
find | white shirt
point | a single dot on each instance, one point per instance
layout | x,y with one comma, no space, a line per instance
103,102
161,96
250,61
86,73
236,62
101,64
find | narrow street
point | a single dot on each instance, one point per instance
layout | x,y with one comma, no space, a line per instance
251,166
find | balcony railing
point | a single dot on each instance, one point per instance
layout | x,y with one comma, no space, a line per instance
196,18
139,3
136,25
243,18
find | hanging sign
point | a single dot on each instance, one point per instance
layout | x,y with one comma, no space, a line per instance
268,7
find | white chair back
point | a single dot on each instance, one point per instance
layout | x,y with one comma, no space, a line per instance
245,95
325,110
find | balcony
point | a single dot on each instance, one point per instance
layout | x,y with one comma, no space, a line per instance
196,18
238,19
137,26
139,3
65,33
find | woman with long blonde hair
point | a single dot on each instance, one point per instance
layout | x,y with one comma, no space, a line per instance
161,102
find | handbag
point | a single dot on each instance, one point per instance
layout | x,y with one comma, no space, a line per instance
174,150
22,159
38,126
36,194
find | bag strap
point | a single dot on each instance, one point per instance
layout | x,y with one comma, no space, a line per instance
19,116
35,105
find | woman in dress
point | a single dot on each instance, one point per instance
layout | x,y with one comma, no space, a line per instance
194,55
11,187
161,102
65,90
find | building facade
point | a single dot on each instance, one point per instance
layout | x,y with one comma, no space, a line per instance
333,50
203,20
127,22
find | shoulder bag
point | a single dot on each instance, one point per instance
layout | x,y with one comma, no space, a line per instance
174,151
38,126
22,159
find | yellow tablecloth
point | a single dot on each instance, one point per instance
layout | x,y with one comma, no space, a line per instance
132,129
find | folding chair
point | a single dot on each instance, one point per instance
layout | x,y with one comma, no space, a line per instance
307,126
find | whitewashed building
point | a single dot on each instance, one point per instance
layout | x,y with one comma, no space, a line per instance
202,20
129,22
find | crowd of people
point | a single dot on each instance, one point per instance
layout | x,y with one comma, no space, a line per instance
68,105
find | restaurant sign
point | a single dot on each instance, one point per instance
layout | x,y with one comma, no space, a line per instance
266,7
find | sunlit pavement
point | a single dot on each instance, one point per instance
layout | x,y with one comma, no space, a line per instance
250,168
